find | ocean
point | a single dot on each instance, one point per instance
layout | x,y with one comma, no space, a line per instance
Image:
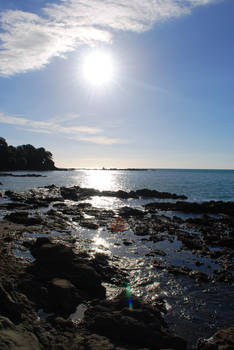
197,185
195,309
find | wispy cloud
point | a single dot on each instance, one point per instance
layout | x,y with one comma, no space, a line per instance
55,127
102,140
29,41
48,127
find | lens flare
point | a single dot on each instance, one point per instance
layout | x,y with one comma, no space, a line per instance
129,295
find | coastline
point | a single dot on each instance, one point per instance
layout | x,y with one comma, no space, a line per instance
39,226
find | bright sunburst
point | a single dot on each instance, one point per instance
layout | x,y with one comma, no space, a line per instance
98,68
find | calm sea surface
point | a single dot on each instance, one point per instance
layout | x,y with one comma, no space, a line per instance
194,309
198,185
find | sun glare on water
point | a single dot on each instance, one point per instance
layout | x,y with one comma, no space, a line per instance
98,68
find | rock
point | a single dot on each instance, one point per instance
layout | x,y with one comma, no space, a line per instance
88,223
62,296
70,193
143,326
156,252
126,212
23,219
221,340
198,275
156,194
93,342
84,277
15,337
8,306
46,252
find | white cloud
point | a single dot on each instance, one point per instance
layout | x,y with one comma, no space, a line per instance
29,41
102,140
51,127
48,127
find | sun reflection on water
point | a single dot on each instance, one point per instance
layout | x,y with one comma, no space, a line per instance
99,243
101,180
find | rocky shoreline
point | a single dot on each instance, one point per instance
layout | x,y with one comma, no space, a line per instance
53,284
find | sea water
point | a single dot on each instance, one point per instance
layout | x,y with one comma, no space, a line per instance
197,185
194,309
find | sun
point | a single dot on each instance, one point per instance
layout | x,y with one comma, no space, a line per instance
98,68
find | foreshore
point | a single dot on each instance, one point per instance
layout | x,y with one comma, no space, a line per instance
50,266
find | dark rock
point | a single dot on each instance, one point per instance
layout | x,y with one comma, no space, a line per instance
198,275
62,296
16,337
156,194
46,252
211,207
143,326
88,223
23,218
221,340
70,193
22,175
156,252
126,212
84,277
8,306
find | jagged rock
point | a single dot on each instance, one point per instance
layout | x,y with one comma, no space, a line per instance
8,306
126,212
198,275
62,296
70,193
15,337
23,218
88,223
84,277
143,326
221,340
46,252
156,194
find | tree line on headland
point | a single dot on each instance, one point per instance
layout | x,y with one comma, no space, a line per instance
24,157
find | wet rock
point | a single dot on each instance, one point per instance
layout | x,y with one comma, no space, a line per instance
8,306
46,252
89,224
223,276
198,275
156,252
143,326
85,278
141,230
15,337
126,212
62,296
15,206
178,270
221,340
70,193
211,207
146,193
83,206
14,196
23,218
93,342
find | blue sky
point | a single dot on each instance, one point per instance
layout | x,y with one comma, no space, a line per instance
170,103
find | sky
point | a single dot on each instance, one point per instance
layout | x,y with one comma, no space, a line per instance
168,101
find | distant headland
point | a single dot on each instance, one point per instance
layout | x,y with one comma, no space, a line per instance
24,157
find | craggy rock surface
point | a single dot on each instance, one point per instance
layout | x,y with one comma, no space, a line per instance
46,271
221,340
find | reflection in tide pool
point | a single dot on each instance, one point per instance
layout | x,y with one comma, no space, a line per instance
99,243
